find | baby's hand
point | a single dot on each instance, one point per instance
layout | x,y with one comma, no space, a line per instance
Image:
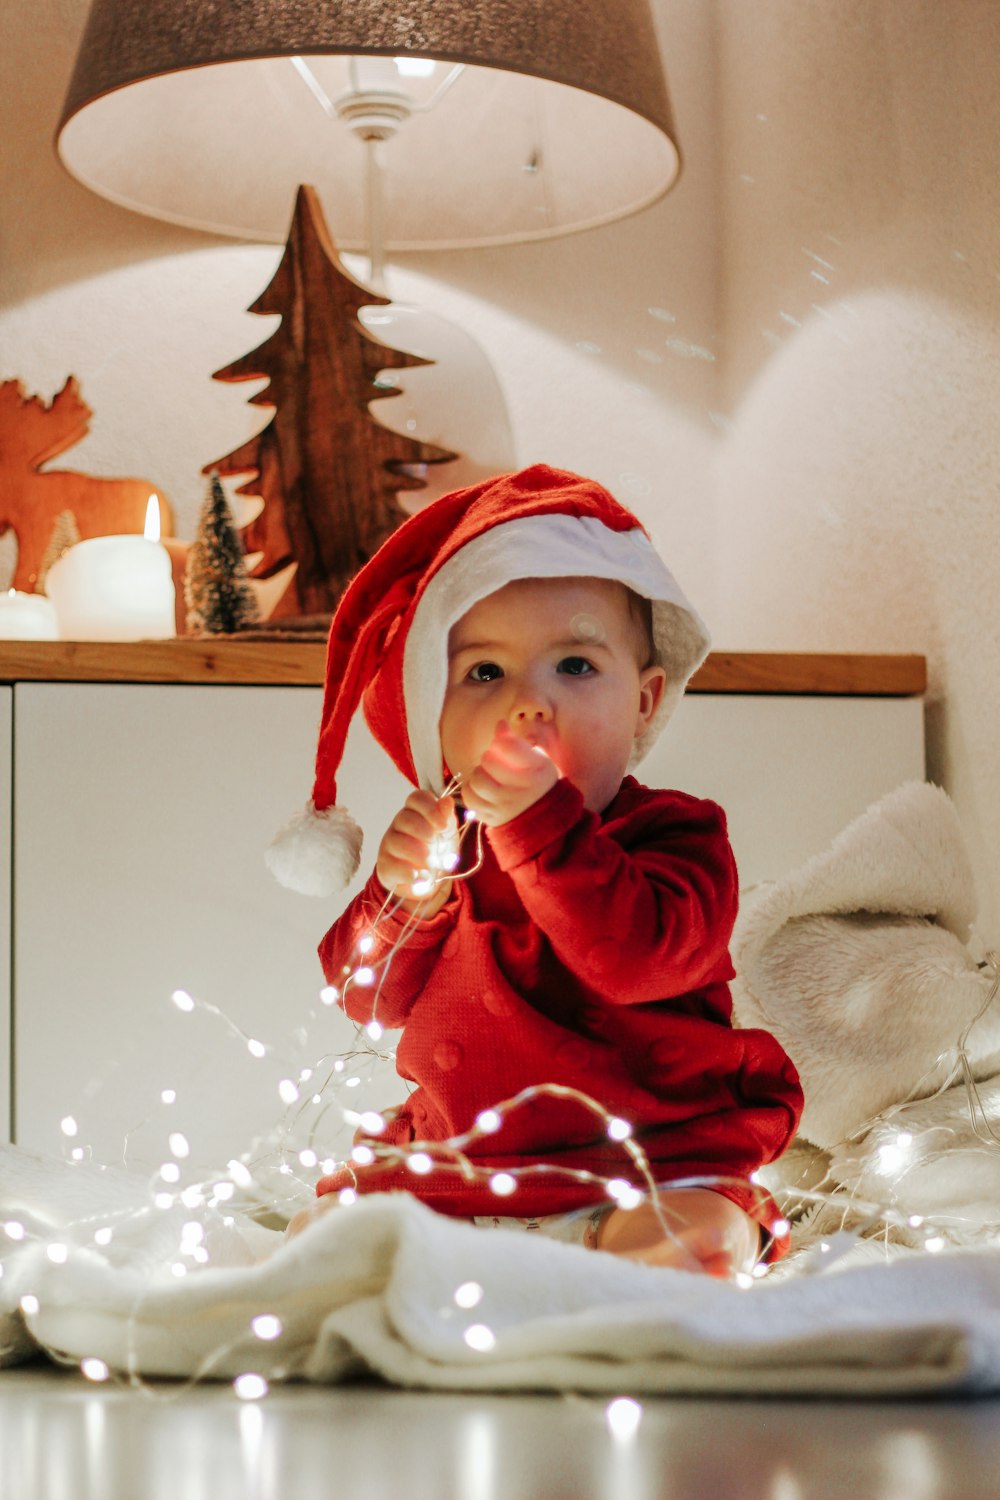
509,779
405,851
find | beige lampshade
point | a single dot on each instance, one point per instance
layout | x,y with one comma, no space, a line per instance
209,113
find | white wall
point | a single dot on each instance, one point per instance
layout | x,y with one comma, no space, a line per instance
819,459
859,477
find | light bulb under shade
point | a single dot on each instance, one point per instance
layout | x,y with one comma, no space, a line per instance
194,114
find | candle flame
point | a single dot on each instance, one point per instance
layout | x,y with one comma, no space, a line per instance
151,530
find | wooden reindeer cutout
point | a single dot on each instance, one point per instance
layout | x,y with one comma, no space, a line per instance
32,433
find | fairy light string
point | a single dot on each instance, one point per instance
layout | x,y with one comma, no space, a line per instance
833,1216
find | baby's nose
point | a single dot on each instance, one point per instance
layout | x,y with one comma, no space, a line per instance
531,708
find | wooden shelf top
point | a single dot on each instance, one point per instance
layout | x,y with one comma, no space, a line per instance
291,663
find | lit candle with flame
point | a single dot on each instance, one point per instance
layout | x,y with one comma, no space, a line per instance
27,617
115,588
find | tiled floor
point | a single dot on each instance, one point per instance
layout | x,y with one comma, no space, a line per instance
62,1438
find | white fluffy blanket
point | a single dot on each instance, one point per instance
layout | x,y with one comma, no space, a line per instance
857,962
373,1288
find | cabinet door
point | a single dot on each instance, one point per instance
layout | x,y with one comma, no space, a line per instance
6,955
142,816
790,771
142,813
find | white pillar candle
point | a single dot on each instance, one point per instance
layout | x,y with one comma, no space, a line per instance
113,588
27,617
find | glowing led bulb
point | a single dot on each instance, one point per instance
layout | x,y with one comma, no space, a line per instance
57,1253
29,1304
182,1000
893,1155
366,943
364,976
934,1244
94,1369
743,1280
346,1197
14,1230
469,1294
375,1031
170,1172
419,1163
618,1129
308,1157
103,1236
288,1091
250,1387
624,1194
442,852
266,1326
372,1123
329,994
168,1096
503,1184
255,1048
480,1338
423,885
178,1143
623,1416
363,1156
68,1125
488,1121
240,1174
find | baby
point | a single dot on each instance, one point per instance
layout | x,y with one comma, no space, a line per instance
563,992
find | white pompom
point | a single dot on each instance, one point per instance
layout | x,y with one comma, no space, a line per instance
316,853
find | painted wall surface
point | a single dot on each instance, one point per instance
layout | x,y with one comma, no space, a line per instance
789,367
859,476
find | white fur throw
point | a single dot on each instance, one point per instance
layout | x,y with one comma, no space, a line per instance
857,962
371,1288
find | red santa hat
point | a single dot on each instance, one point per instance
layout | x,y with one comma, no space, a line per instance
389,637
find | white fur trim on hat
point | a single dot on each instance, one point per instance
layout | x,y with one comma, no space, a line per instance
546,546
316,853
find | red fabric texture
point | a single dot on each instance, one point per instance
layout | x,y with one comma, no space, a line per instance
590,953
368,633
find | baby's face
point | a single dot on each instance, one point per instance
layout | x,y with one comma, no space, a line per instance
560,661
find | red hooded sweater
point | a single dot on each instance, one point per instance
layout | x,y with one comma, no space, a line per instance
589,952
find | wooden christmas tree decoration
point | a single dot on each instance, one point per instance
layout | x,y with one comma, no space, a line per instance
217,591
327,470
32,433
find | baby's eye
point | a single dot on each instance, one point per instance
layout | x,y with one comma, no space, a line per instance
576,666
485,671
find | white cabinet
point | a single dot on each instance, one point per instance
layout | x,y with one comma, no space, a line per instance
140,816
6,952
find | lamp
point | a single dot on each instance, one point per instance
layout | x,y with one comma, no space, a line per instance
480,122
540,116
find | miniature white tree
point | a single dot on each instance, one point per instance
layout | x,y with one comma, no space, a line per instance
217,590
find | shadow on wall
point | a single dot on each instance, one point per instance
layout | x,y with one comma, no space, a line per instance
857,508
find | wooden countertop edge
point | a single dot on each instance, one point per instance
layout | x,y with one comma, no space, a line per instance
291,663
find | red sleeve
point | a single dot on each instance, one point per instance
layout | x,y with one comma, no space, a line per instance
404,953
642,918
